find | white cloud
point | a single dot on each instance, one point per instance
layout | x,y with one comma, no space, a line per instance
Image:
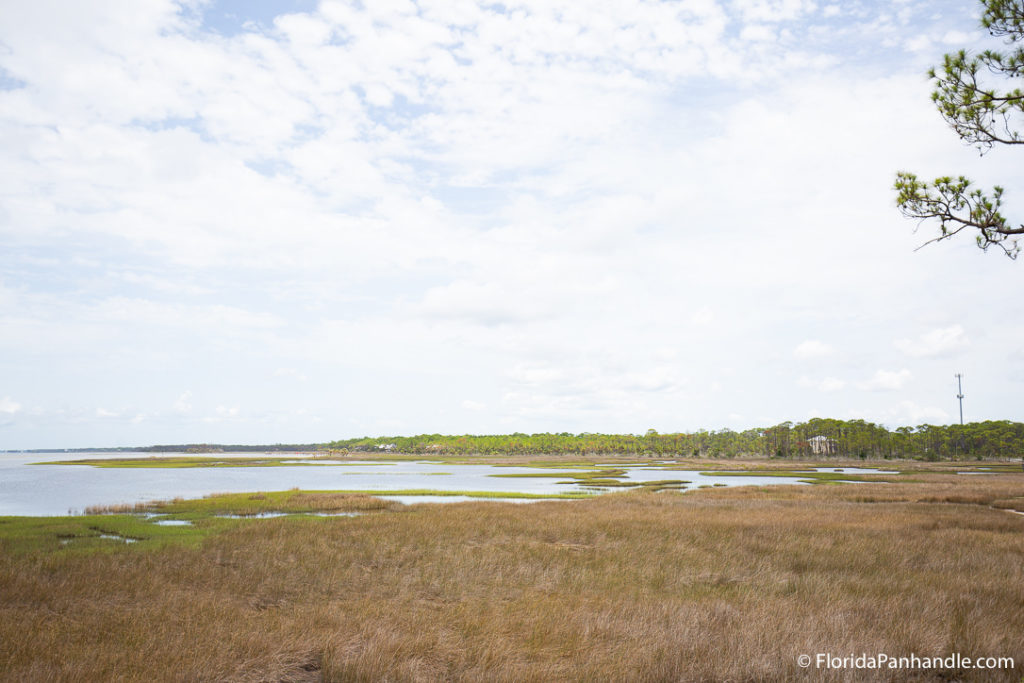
826,385
757,32
907,412
148,312
832,384
580,215
585,387
812,348
910,413
9,405
183,404
291,372
221,414
488,303
703,316
937,343
957,38
886,380
919,44
774,10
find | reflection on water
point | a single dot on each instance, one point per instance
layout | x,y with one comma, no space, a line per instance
255,515
850,470
115,537
27,489
268,515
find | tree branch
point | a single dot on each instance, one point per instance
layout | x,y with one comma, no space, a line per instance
974,112
958,207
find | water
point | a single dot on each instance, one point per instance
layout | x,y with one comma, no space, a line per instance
851,470
28,489
271,515
121,539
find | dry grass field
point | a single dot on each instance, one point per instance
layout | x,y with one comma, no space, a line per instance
711,585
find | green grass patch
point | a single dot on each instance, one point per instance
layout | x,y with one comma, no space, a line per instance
99,533
110,528
293,501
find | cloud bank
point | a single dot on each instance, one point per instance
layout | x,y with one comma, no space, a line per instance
466,217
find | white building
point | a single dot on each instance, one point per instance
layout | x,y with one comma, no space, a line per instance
822,445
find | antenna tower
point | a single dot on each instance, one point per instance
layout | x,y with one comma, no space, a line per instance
960,397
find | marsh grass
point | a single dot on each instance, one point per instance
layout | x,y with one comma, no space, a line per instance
717,584
291,501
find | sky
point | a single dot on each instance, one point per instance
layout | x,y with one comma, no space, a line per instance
252,222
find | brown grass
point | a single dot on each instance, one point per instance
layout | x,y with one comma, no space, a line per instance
720,584
120,508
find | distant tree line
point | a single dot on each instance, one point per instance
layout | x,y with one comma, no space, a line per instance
818,437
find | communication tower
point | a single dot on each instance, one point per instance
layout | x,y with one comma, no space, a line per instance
960,397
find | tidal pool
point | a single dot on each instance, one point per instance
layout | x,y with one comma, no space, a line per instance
269,515
48,490
120,539
171,522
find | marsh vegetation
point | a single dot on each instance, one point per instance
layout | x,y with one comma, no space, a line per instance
714,584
